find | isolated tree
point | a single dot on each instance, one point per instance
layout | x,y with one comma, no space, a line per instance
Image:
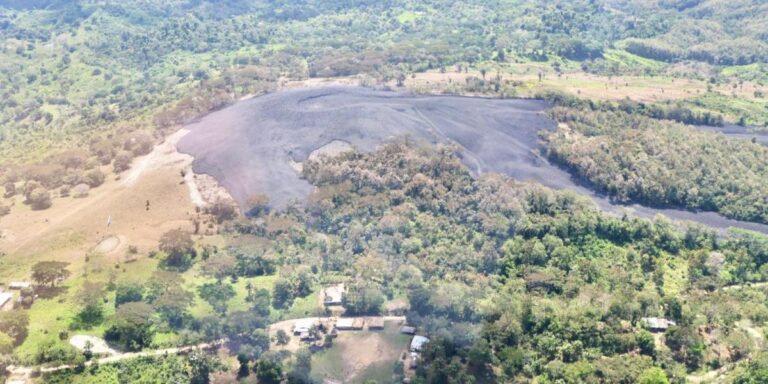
172,305
222,211
88,350
302,368
161,282
132,326
268,371
257,205
39,198
94,177
201,366
90,297
282,296
220,266
122,161
14,324
166,293
141,144
282,337
50,272
363,300
243,370
127,292
30,186
6,343
179,247
304,280
217,295
260,300
653,375
10,189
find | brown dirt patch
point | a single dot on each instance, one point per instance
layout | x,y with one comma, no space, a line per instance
71,227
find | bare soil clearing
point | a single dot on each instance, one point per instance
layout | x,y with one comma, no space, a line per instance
250,146
109,244
73,227
98,345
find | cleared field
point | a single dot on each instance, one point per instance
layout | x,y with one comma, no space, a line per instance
358,356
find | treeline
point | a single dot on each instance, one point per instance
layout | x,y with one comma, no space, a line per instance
658,111
729,52
658,163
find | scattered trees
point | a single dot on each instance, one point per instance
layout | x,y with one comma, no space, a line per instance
217,295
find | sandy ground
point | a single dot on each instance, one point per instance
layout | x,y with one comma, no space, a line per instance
98,345
72,227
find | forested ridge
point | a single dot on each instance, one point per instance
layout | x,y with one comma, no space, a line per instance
83,66
662,163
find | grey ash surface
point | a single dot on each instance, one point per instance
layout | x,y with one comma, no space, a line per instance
249,146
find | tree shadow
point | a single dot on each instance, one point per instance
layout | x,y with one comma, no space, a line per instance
45,292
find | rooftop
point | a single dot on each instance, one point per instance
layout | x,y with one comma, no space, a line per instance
5,297
658,323
333,294
418,342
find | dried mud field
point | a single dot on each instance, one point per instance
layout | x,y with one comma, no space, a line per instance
255,146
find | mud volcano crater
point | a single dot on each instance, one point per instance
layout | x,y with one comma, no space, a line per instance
250,146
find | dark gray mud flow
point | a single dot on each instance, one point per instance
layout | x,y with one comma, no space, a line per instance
250,146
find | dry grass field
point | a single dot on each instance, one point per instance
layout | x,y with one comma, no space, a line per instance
73,227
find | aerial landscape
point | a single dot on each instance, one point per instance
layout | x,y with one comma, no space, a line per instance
391,191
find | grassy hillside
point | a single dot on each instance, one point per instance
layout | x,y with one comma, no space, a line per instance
70,69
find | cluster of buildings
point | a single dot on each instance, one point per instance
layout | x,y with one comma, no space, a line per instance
333,296
6,298
305,328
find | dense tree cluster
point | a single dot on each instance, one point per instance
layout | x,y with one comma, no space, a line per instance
662,163
512,280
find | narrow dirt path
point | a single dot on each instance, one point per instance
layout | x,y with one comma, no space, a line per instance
15,371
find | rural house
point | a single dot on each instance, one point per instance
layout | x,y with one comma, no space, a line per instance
656,324
19,285
333,295
375,323
303,326
418,342
5,300
349,324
